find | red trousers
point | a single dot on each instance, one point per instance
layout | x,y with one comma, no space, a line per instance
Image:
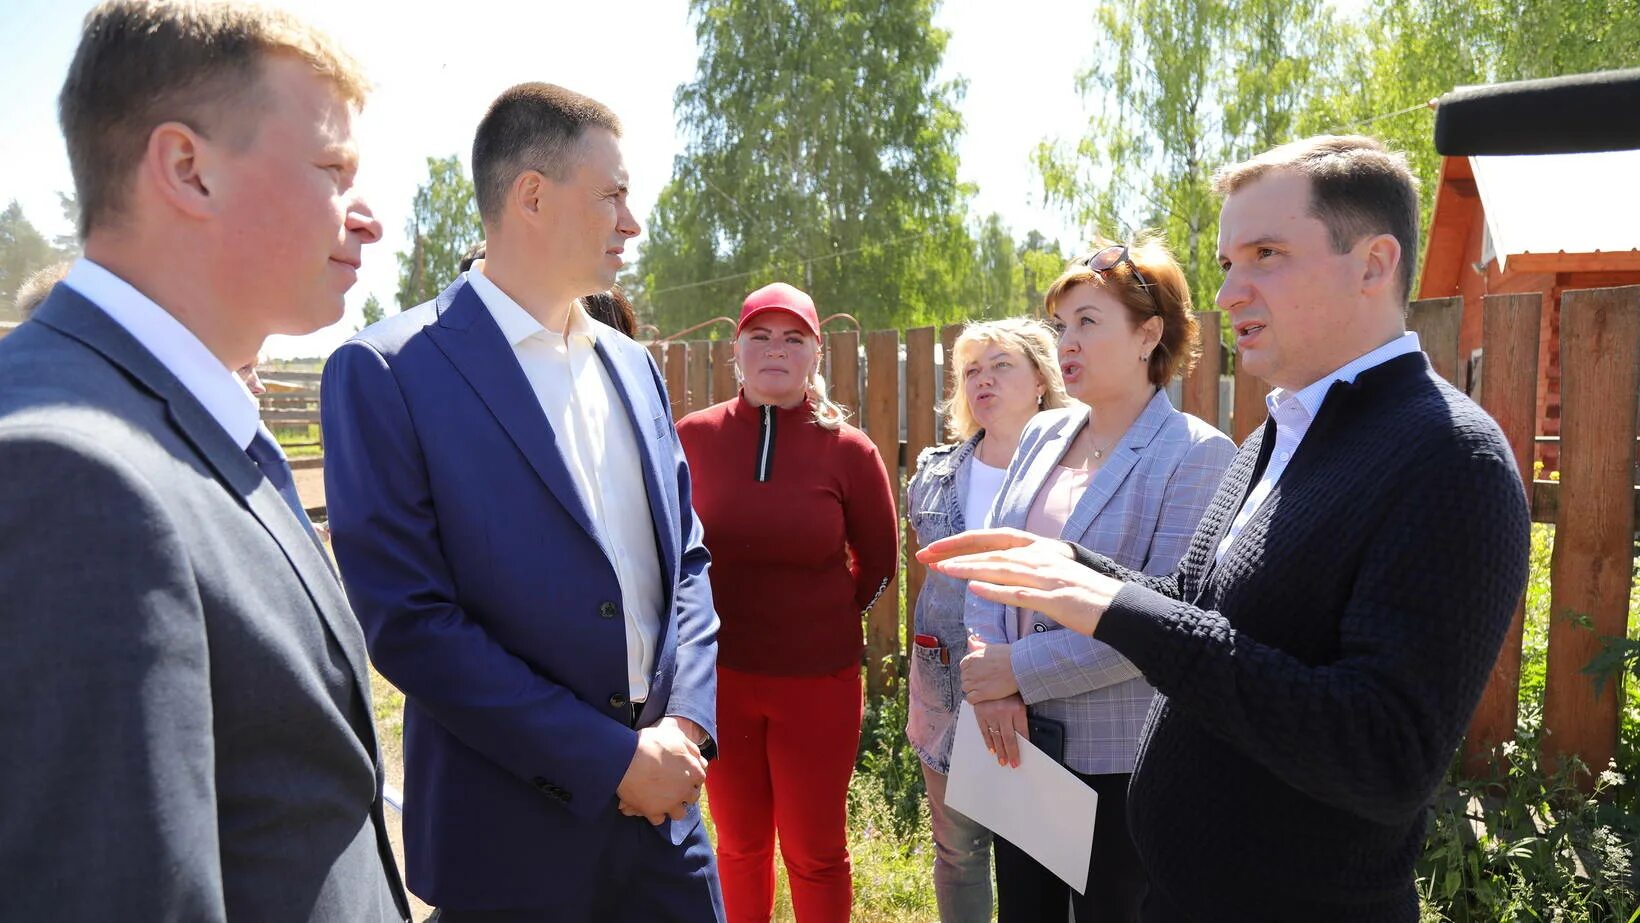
786,747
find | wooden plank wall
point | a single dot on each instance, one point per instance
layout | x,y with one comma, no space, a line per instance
1509,340
1594,532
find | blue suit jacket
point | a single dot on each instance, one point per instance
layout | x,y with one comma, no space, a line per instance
485,595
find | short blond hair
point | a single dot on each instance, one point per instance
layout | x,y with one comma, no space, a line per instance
142,63
1030,338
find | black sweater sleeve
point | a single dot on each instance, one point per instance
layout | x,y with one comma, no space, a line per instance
1373,730
1169,585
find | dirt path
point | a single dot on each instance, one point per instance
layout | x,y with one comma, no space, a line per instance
310,486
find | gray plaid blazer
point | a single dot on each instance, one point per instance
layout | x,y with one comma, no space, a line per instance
1141,510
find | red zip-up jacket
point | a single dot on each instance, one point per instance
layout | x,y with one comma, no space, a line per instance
800,522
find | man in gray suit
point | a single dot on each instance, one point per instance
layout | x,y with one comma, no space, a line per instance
185,719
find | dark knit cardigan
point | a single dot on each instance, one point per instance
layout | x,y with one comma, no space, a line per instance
1316,682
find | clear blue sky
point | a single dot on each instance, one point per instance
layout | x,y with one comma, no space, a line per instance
436,70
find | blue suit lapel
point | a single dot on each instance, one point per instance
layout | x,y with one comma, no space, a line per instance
469,338
630,382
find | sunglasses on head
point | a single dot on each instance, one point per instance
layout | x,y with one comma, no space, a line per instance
1102,261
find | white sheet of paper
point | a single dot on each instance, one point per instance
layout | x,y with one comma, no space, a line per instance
1040,806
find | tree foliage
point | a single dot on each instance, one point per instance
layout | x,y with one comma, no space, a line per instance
372,310
1180,88
821,150
443,224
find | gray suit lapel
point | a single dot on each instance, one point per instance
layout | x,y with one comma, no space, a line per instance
1124,457
77,317
1038,467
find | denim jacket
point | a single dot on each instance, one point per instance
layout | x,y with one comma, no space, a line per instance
934,500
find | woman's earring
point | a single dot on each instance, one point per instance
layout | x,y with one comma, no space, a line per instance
1145,357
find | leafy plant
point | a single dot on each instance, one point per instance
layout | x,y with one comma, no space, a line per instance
1537,842
888,790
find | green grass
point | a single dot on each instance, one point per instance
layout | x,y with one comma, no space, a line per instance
893,875
299,441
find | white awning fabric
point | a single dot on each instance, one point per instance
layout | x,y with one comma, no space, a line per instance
1560,203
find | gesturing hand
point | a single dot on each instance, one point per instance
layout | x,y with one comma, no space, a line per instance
664,777
1020,569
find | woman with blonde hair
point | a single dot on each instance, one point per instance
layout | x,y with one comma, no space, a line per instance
1002,374
1127,475
799,519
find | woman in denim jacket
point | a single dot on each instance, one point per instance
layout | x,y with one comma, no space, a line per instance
1121,472
1002,374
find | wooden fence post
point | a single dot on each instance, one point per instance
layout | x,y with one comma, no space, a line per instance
843,353
1437,321
1509,347
882,421
697,377
1200,393
677,384
724,385
921,431
1247,412
948,340
1594,532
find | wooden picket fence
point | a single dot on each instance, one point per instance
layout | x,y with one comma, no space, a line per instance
893,384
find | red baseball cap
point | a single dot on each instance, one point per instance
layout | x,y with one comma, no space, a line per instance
778,296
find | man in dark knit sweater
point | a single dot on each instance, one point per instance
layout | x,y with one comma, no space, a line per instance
1321,647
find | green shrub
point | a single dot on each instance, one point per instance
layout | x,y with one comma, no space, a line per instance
1541,842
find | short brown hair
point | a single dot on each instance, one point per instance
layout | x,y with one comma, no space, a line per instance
1357,187
142,63
532,126
1180,346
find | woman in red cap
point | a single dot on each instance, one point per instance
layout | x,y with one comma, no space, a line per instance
799,518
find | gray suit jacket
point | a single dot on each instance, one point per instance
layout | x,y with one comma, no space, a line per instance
185,721
1140,509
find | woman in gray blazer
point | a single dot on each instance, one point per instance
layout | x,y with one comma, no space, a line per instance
1002,374
1127,475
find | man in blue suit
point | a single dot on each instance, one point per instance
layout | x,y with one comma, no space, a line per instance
510,509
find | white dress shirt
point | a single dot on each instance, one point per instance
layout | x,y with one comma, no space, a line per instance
1293,412
216,387
601,452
